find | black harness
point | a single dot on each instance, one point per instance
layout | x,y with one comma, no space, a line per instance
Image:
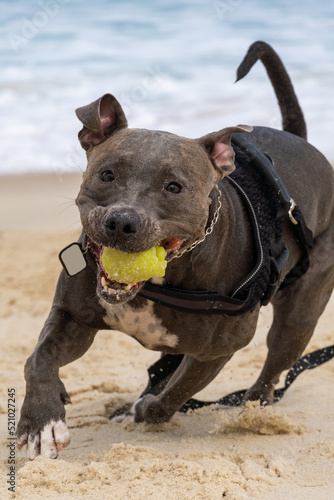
268,205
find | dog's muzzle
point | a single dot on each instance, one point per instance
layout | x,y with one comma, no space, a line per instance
112,291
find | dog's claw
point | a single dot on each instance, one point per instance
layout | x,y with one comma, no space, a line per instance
22,441
65,399
33,446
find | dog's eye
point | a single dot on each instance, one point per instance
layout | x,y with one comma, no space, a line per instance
107,176
174,188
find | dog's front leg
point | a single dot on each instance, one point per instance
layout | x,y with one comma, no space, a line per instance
42,424
189,378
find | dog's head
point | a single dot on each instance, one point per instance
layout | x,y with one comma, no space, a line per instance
145,188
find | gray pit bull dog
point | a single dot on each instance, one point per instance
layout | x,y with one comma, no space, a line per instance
145,188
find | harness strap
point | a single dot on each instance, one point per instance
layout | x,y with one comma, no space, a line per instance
192,301
265,165
305,238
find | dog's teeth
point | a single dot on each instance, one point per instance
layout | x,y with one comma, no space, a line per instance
104,282
105,289
127,287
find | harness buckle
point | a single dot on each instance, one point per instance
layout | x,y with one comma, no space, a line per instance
291,209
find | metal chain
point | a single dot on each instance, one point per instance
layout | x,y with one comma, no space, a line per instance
207,232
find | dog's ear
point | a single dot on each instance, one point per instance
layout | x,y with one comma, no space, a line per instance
100,119
219,149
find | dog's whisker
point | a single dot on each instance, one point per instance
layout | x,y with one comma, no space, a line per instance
68,204
66,198
76,223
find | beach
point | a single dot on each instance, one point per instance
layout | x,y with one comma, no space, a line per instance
172,66
280,452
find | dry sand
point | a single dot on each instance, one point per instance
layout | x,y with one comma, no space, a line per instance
284,452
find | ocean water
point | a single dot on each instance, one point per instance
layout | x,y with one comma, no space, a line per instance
171,64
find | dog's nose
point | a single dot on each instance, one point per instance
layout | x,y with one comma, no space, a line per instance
122,223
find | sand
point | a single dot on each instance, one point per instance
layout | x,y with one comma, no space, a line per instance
281,452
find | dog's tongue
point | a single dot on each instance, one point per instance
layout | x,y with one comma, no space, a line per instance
173,244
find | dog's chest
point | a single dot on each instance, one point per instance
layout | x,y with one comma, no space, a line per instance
142,324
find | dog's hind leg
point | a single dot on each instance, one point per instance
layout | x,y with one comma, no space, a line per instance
297,309
190,377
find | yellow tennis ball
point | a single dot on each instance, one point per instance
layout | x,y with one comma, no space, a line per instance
130,268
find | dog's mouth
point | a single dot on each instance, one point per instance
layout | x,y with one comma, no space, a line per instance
114,292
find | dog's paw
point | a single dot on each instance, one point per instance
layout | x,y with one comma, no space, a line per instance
48,442
150,409
42,426
126,414
264,393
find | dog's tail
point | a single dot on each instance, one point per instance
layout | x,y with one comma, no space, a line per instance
292,115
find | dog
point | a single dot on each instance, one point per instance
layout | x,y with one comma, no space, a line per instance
146,188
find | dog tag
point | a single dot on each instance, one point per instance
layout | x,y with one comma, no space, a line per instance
73,259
